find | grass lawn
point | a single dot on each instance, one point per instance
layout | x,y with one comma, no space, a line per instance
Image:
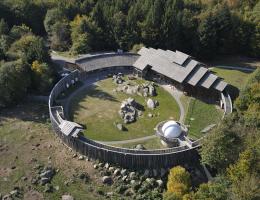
154,143
97,107
26,140
200,115
236,78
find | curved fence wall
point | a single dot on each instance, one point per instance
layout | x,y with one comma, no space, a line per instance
129,158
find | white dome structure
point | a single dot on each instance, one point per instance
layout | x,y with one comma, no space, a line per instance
171,129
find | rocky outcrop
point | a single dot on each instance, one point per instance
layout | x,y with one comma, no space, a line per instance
129,110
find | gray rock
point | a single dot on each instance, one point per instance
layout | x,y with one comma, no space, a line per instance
106,165
7,197
47,174
111,169
100,164
124,178
120,127
150,115
132,182
123,172
159,183
110,194
151,104
140,147
14,192
81,158
74,155
107,180
146,173
44,180
132,175
67,197
95,166
117,172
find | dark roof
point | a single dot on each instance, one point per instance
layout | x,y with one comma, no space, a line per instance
179,67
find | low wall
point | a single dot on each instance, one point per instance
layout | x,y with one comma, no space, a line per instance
129,158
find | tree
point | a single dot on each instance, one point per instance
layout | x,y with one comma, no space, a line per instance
215,190
52,16
221,147
244,174
31,48
82,35
60,36
179,181
248,103
4,29
42,77
14,81
19,31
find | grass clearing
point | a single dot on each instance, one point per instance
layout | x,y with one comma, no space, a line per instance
236,78
200,115
154,143
97,108
27,139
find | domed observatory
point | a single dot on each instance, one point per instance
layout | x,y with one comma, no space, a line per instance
171,133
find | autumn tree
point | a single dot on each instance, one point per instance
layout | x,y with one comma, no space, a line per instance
179,182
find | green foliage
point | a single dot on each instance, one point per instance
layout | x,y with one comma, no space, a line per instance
14,81
3,27
19,31
31,48
82,35
215,190
60,36
179,182
221,147
42,77
248,103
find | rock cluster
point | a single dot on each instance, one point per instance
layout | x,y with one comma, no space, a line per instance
131,183
145,90
118,78
129,110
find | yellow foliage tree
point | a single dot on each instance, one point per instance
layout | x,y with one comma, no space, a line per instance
36,67
178,181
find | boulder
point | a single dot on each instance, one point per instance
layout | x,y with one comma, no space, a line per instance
124,178
151,104
117,172
44,180
132,175
123,172
139,147
107,180
150,115
159,183
120,127
81,158
67,197
146,173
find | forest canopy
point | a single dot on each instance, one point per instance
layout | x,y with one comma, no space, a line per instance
200,28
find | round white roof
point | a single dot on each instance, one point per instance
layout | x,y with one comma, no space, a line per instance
171,129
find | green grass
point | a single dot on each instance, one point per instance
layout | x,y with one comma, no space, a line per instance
20,129
200,115
236,78
154,143
97,107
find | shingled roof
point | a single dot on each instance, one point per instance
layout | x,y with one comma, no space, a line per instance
179,67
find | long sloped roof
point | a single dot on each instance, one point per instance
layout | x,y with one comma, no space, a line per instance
179,67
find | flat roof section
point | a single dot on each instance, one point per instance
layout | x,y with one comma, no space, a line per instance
197,76
209,80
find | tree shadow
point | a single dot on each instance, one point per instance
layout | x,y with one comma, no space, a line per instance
92,91
26,111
